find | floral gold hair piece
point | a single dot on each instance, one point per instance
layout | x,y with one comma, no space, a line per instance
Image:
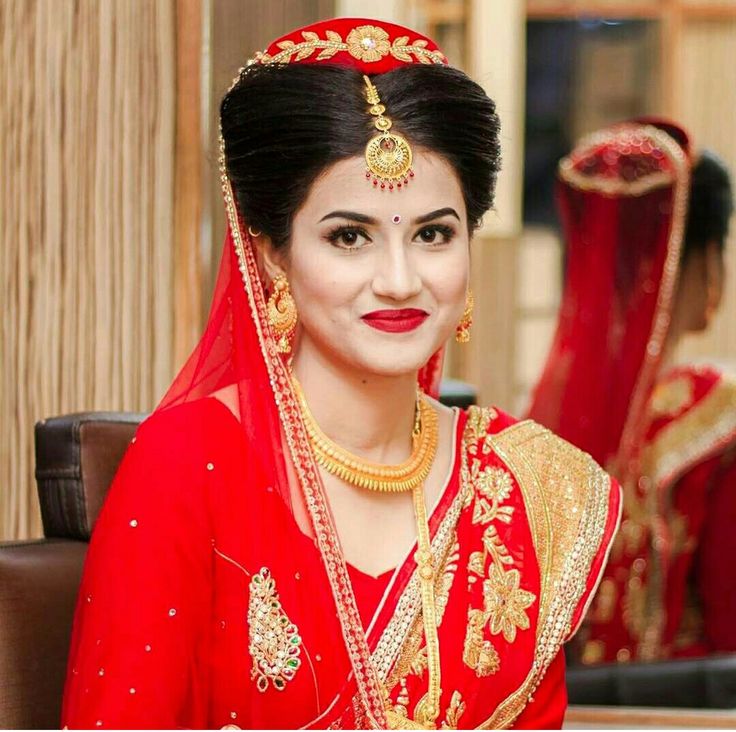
387,155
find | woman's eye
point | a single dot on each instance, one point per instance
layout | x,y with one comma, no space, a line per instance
437,234
348,238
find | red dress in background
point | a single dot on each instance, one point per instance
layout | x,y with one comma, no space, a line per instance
669,589
668,437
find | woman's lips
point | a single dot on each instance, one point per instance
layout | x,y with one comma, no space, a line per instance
396,321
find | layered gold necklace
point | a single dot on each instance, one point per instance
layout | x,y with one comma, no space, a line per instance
408,476
376,476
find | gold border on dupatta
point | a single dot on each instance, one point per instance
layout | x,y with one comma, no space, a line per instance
566,495
408,608
369,688
704,430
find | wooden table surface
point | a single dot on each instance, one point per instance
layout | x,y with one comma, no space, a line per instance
583,717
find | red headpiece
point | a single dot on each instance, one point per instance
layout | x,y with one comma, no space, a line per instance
370,47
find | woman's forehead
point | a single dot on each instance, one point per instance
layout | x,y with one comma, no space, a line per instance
344,187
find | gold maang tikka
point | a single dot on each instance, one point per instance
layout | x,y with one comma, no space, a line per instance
387,155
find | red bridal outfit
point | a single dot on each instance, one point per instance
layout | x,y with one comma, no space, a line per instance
667,435
216,595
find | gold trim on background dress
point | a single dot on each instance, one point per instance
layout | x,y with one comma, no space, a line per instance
707,427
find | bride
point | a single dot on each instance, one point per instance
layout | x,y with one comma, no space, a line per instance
301,535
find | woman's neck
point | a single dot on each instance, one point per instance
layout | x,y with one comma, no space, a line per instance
371,416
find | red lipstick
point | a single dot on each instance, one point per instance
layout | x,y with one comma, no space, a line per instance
396,321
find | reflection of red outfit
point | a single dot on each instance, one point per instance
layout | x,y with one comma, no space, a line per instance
162,631
667,590
670,589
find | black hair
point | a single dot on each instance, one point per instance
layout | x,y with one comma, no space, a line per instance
285,124
710,206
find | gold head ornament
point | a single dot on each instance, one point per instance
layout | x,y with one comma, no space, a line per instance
387,155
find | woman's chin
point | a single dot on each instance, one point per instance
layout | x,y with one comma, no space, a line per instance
395,361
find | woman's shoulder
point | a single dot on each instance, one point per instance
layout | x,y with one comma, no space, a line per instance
191,424
533,451
177,444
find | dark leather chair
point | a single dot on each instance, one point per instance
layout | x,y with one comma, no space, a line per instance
76,458
708,682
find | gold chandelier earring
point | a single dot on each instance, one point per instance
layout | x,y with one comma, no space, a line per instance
462,332
282,315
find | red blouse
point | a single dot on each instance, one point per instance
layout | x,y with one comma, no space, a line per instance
162,636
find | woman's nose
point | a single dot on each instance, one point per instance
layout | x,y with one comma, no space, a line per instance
396,276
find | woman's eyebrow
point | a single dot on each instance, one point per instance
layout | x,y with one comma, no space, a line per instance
352,215
436,215
364,219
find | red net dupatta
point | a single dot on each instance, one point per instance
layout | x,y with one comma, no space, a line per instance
622,195
238,357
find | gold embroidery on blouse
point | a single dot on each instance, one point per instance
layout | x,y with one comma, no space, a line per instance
476,434
479,653
367,43
504,601
274,642
454,711
564,489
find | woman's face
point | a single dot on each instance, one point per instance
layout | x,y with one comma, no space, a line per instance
379,277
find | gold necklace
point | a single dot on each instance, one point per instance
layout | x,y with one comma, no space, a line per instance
409,475
375,476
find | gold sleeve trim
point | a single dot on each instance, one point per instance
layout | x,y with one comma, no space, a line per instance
566,495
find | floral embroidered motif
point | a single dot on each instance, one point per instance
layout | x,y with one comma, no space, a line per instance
454,712
505,602
479,653
366,43
274,640
495,484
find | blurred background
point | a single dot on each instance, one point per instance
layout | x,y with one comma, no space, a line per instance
110,212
